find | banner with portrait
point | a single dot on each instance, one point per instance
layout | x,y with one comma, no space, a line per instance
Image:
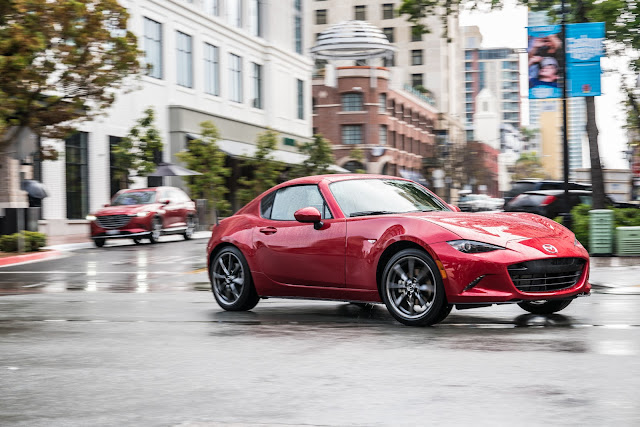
545,61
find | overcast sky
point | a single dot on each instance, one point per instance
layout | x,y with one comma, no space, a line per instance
507,28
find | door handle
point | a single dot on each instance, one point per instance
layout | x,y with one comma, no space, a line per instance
268,230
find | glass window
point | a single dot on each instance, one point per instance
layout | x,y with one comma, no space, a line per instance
468,55
211,69
183,60
416,80
288,200
360,13
234,13
257,86
255,18
352,134
382,138
352,102
212,7
300,90
387,11
382,103
118,177
136,198
416,57
298,33
389,33
321,16
360,197
77,175
153,47
235,76
390,62
416,34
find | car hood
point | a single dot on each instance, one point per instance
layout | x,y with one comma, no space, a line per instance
498,228
126,210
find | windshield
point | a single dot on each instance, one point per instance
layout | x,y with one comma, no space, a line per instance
134,198
361,197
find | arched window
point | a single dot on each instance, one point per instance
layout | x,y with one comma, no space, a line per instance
353,166
352,102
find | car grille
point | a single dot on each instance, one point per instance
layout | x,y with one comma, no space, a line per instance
546,275
113,221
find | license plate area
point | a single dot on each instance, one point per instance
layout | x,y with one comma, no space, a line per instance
112,232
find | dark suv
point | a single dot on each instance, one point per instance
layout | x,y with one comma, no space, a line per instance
524,185
550,203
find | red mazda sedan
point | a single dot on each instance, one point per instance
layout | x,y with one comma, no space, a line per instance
373,238
144,213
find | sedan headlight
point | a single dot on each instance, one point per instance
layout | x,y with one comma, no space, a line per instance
140,214
90,218
473,247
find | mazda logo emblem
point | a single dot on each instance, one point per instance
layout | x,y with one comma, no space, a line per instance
550,248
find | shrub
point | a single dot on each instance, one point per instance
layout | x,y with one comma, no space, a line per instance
33,241
622,217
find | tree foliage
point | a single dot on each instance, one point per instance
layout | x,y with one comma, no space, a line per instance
528,166
320,157
138,152
203,155
60,61
265,170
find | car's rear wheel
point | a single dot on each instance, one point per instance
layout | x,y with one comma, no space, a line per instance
156,230
137,240
412,289
99,242
231,281
545,306
191,226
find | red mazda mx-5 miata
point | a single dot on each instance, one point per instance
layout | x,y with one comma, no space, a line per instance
374,238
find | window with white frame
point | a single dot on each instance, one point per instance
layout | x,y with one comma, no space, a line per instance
212,7
352,134
416,57
184,56
211,69
360,12
382,137
382,103
257,85
234,12
235,77
387,11
153,47
300,90
255,18
352,102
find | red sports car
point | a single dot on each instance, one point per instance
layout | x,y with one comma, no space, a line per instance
144,213
373,238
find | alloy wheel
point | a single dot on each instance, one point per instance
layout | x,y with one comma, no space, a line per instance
411,287
228,278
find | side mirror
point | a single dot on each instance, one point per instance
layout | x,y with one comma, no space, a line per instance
310,215
106,205
455,208
165,201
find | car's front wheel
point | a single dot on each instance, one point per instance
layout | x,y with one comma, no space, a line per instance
99,242
231,281
412,289
545,306
191,226
156,230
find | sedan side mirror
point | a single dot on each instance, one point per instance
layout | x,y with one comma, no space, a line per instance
311,215
165,201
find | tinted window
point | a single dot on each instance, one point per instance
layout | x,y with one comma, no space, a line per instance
134,198
371,196
288,200
528,200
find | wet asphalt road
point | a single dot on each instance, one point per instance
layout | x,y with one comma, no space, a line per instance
129,335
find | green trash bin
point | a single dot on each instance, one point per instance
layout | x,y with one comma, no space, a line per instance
628,241
601,232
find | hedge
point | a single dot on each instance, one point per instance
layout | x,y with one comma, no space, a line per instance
33,241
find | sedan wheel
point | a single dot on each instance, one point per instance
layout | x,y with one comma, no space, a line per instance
156,230
545,306
191,226
412,289
231,281
99,242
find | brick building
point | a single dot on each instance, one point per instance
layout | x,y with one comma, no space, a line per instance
361,109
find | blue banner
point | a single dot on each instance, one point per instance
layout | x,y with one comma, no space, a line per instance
584,79
545,61
585,42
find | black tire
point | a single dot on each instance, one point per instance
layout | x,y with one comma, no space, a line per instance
191,227
412,288
156,230
99,242
545,306
137,240
231,281
444,312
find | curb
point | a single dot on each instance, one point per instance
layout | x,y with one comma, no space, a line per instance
35,256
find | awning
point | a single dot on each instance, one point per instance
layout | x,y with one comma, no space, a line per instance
413,176
239,149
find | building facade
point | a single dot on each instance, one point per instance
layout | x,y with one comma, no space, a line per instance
237,63
394,129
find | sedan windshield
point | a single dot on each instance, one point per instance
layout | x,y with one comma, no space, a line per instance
134,198
360,197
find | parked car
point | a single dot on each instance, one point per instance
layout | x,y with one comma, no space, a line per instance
550,203
381,239
524,185
144,213
479,202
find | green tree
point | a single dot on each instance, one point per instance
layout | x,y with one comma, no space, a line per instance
528,166
138,152
60,63
621,18
320,157
358,155
203,155
265,170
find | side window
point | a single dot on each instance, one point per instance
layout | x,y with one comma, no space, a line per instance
288,200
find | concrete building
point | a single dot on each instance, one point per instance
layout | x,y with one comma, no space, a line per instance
393,128
427,62
238,63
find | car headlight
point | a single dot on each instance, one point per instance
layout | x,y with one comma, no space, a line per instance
140,214
90,218
473,247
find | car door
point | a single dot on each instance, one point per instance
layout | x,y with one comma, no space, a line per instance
296,253
172,209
